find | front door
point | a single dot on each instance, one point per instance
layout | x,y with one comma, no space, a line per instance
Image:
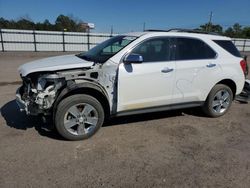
150,83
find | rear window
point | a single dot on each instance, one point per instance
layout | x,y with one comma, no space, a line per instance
193,49
228,46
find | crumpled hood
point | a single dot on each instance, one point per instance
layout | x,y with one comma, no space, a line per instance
53,64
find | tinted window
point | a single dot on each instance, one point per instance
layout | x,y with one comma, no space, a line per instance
157,49
191,49
228,46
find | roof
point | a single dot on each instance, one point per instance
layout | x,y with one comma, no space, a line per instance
135,34
185,31
181,32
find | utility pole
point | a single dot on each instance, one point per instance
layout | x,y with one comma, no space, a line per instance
210,21
111,30
144,26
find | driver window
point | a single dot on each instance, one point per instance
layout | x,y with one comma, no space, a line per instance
154,50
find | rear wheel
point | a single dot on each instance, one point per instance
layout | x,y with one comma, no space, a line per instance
79,117
218,101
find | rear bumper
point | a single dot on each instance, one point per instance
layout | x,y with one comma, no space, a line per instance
244,96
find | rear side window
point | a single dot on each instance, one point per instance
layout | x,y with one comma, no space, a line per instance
228,46
193,49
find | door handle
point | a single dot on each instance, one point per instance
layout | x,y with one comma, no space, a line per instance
166,70
210,65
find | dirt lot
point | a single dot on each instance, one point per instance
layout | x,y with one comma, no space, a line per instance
168,149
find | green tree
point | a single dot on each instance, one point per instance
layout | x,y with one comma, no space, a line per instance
229,32
25,24
209,27
69,23
47,25
246,32
235,31
4,23
65,23
237,28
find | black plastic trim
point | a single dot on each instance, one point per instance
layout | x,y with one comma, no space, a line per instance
160,108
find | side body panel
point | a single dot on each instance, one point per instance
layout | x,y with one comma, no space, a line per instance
145,85
194,79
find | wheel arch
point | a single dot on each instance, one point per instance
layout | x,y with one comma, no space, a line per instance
88,88
230,83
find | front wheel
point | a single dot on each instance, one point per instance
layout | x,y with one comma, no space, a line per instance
218,101
79,117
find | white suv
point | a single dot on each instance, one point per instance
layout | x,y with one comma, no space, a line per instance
133,73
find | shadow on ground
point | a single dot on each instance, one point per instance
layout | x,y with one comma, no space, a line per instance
19,120
153,116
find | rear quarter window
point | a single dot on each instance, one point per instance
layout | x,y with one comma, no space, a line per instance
228,46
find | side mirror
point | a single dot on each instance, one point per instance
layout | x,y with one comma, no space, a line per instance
133,58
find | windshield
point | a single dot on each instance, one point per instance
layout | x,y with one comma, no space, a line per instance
105,50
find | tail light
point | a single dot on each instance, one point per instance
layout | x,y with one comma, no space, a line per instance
243,65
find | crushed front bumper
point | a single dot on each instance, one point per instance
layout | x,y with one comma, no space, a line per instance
23,106
29,106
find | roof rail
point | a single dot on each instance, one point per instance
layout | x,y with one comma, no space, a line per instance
192,31
183,30
156,30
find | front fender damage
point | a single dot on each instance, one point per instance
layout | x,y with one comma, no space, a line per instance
40,91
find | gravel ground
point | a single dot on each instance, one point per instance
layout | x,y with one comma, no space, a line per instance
168,149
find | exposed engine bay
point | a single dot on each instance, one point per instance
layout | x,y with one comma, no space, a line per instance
40,89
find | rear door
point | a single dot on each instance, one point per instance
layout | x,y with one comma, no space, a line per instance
196,70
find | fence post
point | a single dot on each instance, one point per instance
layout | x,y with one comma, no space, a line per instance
34,38
63,35
244,45
88,43
1,35
111,32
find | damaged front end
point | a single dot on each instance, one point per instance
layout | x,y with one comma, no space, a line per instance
40,90
38,93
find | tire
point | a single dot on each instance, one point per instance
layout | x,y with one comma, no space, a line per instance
79,117
218,101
